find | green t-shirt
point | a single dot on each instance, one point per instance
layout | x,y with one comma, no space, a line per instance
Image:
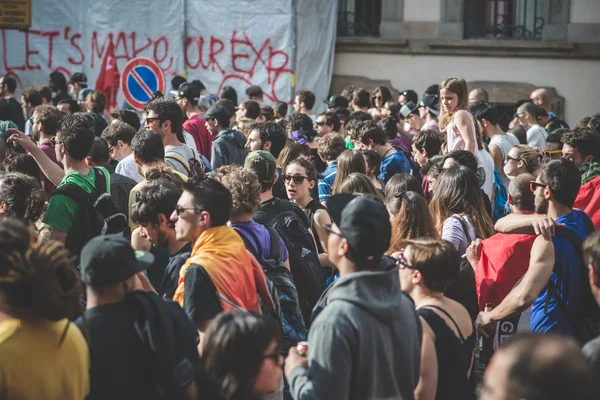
349,144
63,211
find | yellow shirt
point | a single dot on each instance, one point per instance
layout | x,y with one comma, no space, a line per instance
139,187
33,365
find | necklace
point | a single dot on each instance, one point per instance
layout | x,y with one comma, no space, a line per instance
385,154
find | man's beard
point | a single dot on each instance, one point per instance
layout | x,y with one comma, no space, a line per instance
541,204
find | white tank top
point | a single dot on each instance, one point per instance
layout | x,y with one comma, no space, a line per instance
456,141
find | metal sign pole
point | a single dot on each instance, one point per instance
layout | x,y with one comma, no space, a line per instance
294,49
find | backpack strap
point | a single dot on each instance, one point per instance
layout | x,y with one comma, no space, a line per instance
100,180
72,191
464,225
275,245
177,157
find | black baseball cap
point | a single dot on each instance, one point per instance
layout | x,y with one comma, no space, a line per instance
189,91
336,101
408,109
364,222
217,111
78,77
110,259
432,101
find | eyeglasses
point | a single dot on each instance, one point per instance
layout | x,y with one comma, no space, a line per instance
54,141
298,179
509,159
179,210
110,149
550,153
533,185
517,115
402,262
320,123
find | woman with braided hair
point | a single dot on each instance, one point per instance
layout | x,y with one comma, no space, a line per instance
42,354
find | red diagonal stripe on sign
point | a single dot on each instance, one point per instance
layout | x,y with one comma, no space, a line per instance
142,84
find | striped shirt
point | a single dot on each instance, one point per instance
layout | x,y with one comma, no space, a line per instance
326,184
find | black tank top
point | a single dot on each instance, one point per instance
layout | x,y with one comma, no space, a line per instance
453,354
310,211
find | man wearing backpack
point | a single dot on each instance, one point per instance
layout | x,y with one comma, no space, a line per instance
366,343
555,282
166,117
140,344
291,224
220,274
65,215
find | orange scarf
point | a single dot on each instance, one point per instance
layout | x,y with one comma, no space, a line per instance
235,273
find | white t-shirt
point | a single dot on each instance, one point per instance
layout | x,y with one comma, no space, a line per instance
487,163
505,143
185,151
536,137
127,168
189,140
453,232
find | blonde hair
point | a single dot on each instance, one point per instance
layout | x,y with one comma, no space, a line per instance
244,125
459,87
530,158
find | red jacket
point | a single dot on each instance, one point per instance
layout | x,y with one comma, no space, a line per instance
504,260
588,200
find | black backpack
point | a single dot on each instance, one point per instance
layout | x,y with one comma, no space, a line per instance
464,289
99,215
283,292
168,337
308,274
586,323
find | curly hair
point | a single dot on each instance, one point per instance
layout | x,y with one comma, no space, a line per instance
244,187
23,197
49,116
164,173
37,276
369,131
331,146
585,141
24,164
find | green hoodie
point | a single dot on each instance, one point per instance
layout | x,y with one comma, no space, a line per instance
62,213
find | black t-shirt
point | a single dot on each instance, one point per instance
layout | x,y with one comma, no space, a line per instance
120,364
10,110
555,123
200,298
171,275
157,270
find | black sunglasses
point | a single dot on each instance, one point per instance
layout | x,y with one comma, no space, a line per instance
320,123
179,210
54,141
328,228
298,179
402,261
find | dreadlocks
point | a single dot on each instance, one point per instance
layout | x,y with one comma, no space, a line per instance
37,276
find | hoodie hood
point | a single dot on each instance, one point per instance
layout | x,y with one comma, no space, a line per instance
376,292
236,138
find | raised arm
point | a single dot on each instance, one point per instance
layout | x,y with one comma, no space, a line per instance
49,168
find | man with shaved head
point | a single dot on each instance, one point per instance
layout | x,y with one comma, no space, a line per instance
541,97
478,95
536,135
538,367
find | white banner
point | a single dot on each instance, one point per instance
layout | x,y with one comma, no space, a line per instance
234,43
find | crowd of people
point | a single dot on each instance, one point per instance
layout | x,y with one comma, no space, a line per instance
217,247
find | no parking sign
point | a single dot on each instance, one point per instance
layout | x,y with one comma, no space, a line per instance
140,79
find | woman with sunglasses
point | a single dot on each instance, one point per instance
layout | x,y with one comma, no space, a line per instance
300,177
521,159
427,268
241,358
413,220
379,97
